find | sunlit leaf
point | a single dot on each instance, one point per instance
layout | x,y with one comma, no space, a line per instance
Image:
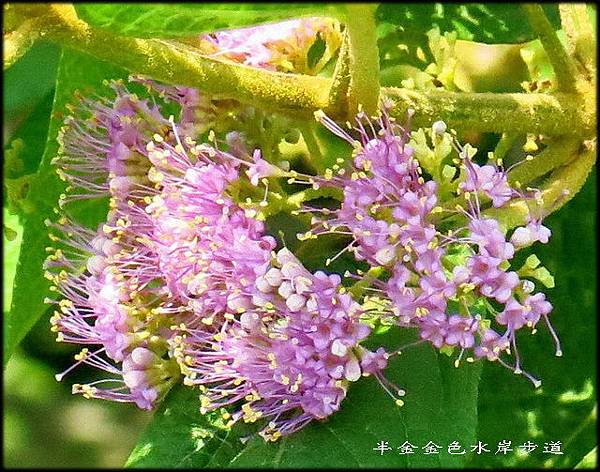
148,20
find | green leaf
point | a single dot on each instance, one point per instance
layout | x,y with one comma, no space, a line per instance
29,140
149,20
440,406
13,235
589,461
30,79
76,71
490,22
316,51
179,436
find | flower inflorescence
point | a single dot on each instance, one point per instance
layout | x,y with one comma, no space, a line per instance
451,285
182,279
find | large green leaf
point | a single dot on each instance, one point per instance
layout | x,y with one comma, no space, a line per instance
76,72
440,406
180,437
22,156
30,79
148,20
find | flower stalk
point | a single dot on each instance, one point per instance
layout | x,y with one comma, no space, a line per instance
495,112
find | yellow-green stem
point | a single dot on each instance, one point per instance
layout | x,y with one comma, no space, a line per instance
581,43
556,114
177,63
560,60
301,95
562,185
363,58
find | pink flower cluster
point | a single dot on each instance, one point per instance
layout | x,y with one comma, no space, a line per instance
392,217
181,279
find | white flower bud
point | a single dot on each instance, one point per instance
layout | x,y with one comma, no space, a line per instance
143,357
284,255
528,286
338,348
236,302
352,370
295,302
394,230
439,128
274,277
259,301
521,237
302,284
285,289
291,270
311,304
263,285
385,255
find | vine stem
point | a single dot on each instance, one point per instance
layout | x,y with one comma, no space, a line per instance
363,58
496,112
176,63
314,156
581,43
300,95
338,93
559,152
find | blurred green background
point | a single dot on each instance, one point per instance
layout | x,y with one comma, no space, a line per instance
45,426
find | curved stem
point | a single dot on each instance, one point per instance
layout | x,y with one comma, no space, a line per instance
581,43
559,152
314,157
338,93
562,185
18,41
176,63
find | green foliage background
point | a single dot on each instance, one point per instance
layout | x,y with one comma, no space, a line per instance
45,426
